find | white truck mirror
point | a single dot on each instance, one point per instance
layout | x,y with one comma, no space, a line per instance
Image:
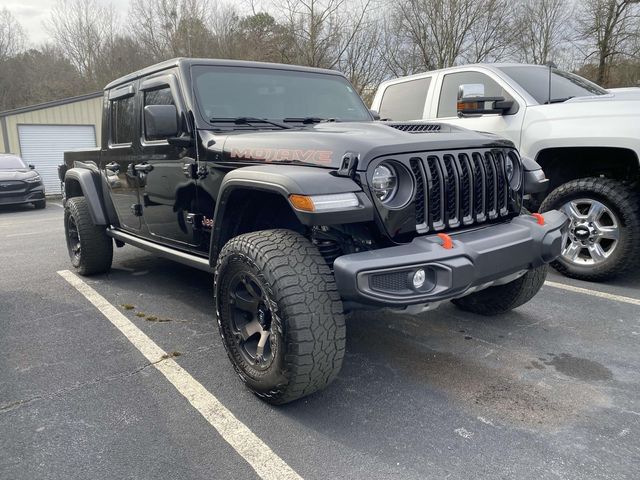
470,90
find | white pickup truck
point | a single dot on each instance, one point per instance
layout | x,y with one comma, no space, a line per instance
586,139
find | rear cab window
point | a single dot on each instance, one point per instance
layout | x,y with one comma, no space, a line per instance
405,100
122,116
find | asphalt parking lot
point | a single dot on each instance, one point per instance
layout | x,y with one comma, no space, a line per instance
551,390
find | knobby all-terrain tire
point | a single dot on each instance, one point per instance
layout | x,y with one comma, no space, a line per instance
504,298
624,202
40,204
307,319
96,247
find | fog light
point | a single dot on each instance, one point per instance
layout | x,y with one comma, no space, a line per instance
418,278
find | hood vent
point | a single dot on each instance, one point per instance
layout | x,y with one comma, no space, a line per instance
416,127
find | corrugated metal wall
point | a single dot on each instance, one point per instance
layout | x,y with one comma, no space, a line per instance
83,112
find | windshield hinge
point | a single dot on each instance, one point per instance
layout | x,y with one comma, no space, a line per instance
348,165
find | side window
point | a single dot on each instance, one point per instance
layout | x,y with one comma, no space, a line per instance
160,96
448,103
122,124
405,101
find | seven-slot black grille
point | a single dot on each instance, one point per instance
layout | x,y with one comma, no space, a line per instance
459,188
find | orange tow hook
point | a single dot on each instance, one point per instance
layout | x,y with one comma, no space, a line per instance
539,218
447,242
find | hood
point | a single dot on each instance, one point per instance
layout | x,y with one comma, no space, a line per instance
21,174
628,93
325,144
604,109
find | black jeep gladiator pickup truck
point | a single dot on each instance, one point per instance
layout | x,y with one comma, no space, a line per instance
278,180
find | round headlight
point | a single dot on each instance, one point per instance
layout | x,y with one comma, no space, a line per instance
510,168
384,182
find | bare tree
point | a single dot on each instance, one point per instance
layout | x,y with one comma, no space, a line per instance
363,60
542,29
608,30
443,33
323,30
83,30
11,35
172,28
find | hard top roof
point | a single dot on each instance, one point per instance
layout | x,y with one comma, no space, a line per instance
186,62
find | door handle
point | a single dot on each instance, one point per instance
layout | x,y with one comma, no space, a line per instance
143,167
113,167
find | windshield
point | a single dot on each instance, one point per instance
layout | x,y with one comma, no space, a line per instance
11,162
234,92
535,80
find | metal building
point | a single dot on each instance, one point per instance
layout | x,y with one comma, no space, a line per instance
40,134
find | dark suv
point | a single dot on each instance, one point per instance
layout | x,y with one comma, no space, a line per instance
19,183
277,179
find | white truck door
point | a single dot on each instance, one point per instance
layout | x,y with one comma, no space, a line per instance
444,105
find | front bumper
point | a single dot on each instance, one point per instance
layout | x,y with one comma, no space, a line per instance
478,259
26,195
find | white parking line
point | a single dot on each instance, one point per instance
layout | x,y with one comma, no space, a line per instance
56,204
262,459
593,293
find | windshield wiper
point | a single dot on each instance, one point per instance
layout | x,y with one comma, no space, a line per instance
307,120
248,121
558,100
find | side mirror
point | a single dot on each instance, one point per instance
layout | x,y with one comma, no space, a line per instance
470,90
32,167
472,101
374,114
160,121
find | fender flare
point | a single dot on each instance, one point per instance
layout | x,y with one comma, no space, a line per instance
287,180
89,182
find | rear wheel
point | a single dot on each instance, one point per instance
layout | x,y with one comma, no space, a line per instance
504,298
90,248
279,314
604,234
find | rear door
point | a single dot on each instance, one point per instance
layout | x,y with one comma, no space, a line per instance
118,154
168,184
405,100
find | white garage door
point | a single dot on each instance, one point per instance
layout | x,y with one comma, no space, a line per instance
44,147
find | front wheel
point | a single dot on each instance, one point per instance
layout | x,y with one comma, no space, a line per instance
504,298
604,234
40,204
279,314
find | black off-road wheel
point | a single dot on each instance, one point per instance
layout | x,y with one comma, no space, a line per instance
40,204
90,248
604,235
279,314
504,298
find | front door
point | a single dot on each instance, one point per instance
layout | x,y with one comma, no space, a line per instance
507,126
117,159
168,185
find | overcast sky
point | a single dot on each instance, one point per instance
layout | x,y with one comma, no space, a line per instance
31,13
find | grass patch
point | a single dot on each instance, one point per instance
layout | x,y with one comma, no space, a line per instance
128,306
171,355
